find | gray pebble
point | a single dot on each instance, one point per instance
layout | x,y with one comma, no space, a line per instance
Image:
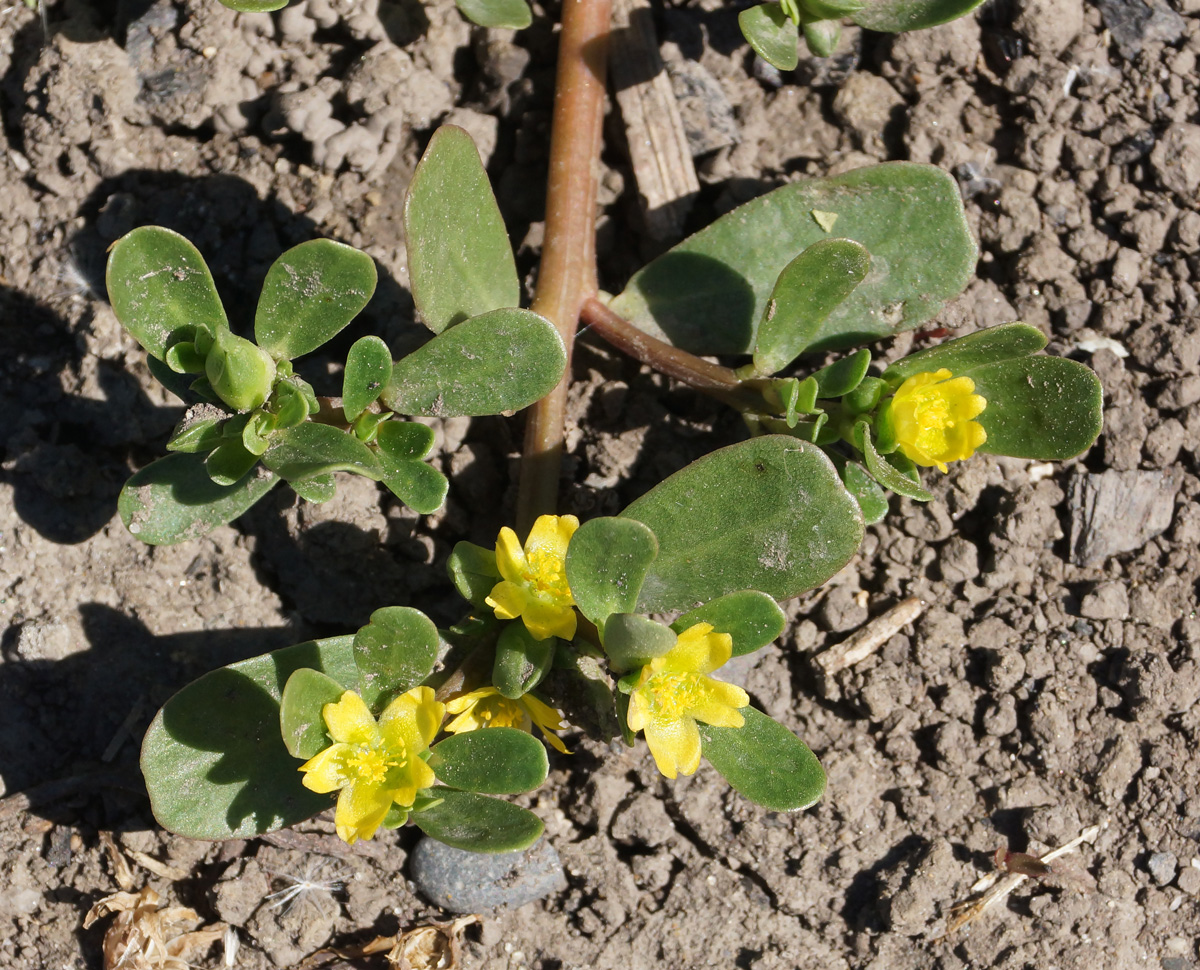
471,882
1162,866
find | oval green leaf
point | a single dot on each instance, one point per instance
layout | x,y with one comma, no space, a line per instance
418,485
521,661
474,573
160,286
493,761
501,361
764,761
769,514
305,695
478,823
632,640
752,618
311,292
396,651
808,290
708,294
883,471
312,449
255,6
507,14
843,376
772,35
606,564
316,490
822,36
368,369
214,759
173,499
460,262
989,346
896,16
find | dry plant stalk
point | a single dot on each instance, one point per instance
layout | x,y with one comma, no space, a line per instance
865,641
146,937
995,887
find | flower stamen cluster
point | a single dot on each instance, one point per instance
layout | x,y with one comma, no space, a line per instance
534,578
932,418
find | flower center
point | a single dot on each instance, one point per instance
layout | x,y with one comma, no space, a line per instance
500,712
547,576
673,695
371,764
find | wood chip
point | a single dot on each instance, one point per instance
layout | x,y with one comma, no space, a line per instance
869,638
658,146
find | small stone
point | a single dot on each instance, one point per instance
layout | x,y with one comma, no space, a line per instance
1119,511
1189,881
1133,23
1176,159
469,882
704,108
1108,601
1162,866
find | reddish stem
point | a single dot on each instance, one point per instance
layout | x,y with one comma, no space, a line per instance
568,269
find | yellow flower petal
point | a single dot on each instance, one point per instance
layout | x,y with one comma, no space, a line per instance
464,702
719,706
509,600
360,811
326,771
675,746
412,719
544,620
932,414
698,650
510,557
350,721
550,536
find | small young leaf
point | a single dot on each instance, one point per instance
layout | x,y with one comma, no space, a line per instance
764,761
866,396
521,661
419,486
305,695
961,354
395,652
460,262
229,462
255,6
240,373
631,640
768,514
508,14
844,375
473,571
870,497
492,761
1039,407
199,431
318,489
289,404
606,564
772,35
882,471
214,760
899,16
808,290
312,449
174,499
368,369
184,359
159,285
500,361
822,36
477,823
752,618
311,292
404,440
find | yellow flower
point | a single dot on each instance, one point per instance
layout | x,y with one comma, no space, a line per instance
374,764
931,416
487,707
534,583
674,692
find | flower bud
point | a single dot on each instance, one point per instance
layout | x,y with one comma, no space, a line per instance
241,372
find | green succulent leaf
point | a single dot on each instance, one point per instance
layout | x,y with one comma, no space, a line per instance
183,358
582,688
882,470
764,761
808,290
318,489
405,440
199,431
311,449
231,776
240,373
419,486
831,9
310,294
708,294
962,354
474,573
460,262
492,761
173,499
632,640
255,6
897,16
872,499
772,35
301,722
844,375
508,14
822,36
606,564
768,514
1039,407
368,369
478,823
521,661
395,652
752,618
230,462
500,361
160,288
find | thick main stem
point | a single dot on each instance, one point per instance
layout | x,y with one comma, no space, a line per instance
568,269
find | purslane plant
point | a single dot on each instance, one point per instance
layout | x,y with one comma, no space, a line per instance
620,625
